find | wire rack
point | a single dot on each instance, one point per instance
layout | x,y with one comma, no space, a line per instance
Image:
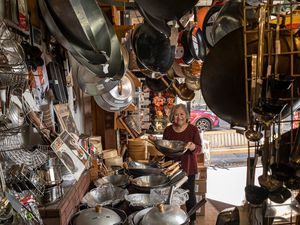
272,76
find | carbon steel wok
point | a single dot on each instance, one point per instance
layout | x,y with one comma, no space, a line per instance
227,76
157,13
170,147
102,65
152,48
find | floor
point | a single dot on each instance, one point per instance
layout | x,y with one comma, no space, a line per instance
232,181
210,216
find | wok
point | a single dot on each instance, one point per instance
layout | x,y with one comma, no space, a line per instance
139,169
170,147
152,48
227,74
166,9
90,83
146,183
92,60
117,180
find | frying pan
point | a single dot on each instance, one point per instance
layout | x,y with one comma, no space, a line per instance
196,43
152,48
183,54
227,75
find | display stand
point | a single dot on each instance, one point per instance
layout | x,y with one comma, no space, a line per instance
61,211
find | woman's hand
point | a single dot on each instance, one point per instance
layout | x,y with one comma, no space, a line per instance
190,146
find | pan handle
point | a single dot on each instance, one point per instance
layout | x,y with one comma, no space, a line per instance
196,207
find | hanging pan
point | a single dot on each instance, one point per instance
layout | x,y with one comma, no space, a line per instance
196,43
152,48
183,55
88,82
227,74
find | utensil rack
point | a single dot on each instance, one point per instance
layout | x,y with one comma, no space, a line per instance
258,69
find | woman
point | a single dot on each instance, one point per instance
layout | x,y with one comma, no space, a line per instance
182,130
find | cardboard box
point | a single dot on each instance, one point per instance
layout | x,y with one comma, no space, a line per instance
201,211
200,187
202,173
200,159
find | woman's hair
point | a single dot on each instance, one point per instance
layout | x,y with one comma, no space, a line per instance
175,107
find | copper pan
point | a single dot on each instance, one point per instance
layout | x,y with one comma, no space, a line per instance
192,84
181,90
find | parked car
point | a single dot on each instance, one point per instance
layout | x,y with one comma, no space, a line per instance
203,119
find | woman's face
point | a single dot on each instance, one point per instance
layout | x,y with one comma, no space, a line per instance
180,117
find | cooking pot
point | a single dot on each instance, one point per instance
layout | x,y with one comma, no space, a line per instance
122,94
169,214
51,195
256,195
227,74
99,216
50,176
152,48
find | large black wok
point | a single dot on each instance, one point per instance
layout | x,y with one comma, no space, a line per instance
223,78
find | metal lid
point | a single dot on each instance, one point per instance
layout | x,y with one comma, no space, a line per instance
97,216
165,214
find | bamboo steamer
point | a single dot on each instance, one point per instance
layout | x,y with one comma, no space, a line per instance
109,153
137,149
115,161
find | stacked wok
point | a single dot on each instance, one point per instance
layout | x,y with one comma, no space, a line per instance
97,60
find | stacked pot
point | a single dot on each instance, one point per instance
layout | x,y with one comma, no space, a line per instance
50,176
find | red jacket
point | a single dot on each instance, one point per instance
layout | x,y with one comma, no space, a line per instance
189,159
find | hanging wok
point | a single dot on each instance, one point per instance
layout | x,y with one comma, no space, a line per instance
88,82
96,62
226,75
166,10
152,48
